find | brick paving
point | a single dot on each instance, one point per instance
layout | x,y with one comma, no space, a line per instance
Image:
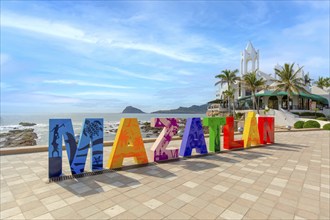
287,180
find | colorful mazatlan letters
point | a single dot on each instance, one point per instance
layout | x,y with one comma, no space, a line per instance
92,135
170,128
214,124
128,143
193,137
228,135
251,134
266,129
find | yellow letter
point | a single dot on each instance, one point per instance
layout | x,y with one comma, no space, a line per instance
251,133
128,143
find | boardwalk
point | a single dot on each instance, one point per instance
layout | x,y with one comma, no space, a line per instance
287,180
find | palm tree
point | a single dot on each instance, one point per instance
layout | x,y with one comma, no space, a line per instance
323,82
289,81
229,77
251,82
230,94
307,80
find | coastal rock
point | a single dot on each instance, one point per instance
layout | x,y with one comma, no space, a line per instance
27,124
16,138
131,109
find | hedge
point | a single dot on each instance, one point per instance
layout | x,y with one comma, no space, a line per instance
322,119
317,114
311,124
299,124
326,126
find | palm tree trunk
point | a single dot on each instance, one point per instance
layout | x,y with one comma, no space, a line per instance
228,102
257,105
254,101
234,107
288,102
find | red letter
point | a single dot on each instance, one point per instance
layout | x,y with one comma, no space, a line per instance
266,129
228,135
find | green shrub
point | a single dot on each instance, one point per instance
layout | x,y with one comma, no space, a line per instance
311,124
322,119
320,114
326,126
307,114
299,124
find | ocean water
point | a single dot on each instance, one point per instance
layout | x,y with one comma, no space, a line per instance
111,120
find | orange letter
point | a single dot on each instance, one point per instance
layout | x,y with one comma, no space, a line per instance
128,143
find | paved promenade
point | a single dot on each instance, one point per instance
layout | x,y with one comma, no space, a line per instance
287,180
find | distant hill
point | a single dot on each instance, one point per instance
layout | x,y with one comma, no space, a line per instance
131,109
194,109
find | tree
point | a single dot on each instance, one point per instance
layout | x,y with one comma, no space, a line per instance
229,77
323,82
230,94
289,81
307,80
251,82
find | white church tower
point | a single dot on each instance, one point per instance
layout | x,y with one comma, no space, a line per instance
249,63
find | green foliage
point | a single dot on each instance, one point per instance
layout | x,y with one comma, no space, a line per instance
317,114
326,126
299,124
296,113
311,124
239,115
288,80
322,119
320,115
323,82
251,82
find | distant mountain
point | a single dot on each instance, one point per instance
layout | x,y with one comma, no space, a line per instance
131,109
194,109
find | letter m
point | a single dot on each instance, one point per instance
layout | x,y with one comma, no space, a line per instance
91,136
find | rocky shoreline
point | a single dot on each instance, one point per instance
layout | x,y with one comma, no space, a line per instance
18,138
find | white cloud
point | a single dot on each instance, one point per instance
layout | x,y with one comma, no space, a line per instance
81,83
42,26
119,95
117,38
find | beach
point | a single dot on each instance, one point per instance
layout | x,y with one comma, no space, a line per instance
111,122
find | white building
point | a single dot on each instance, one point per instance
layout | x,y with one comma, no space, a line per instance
267,98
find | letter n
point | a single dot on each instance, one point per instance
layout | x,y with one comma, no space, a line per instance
214,124
193,137
251,134
266,129
128,143
228,135
170,128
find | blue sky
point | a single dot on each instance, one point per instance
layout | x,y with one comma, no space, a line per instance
100,56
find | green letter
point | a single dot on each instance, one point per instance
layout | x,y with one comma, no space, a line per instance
214,124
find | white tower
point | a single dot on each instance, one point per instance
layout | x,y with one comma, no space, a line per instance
249,55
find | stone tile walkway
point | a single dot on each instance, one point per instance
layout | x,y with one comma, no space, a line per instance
287,180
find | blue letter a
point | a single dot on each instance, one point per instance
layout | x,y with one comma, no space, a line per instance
193,137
